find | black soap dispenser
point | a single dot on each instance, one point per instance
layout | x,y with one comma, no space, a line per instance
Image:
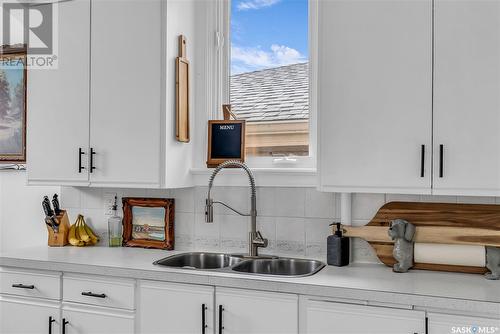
337,249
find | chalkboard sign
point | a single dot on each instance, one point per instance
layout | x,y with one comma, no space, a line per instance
226,141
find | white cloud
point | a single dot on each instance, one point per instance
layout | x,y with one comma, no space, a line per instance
256,4
246,59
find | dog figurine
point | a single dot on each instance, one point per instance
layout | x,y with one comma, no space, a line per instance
493,263
402,232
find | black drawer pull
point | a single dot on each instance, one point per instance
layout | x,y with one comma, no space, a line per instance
23,286
64,323
96,295
441,160
221,309
51,320
92,153
422,161
203,318
80,153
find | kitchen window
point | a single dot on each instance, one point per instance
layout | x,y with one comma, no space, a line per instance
268,81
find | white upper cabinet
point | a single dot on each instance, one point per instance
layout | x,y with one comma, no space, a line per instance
58,104
126,90
375,96
108,99
467,97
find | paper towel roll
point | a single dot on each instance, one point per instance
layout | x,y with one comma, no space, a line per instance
458,255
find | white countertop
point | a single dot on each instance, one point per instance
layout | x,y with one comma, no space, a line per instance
370,282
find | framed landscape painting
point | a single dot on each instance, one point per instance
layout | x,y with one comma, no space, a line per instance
12,105
148,222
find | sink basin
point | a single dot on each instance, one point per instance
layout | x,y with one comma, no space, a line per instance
200,260
280,267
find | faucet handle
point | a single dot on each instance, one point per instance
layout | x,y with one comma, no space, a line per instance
260,241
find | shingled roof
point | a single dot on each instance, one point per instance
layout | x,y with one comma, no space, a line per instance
275,94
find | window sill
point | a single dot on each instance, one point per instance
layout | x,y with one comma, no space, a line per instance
264,177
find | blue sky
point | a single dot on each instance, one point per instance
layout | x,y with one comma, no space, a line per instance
268,33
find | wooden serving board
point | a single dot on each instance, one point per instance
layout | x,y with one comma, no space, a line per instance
466,224
182,93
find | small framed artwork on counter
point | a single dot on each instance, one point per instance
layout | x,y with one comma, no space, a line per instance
148,222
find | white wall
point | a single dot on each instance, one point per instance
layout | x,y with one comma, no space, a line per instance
295,220
21,214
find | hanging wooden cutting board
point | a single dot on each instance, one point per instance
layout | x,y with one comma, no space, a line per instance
182,93
466,224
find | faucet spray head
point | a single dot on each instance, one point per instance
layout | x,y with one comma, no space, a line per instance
209,210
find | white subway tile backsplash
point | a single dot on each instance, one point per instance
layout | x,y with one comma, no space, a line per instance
290,202
184,199
362,252
290,229
402,198
476,200
92,198
317,230
439,199
200,195
319,204
158,193
294,220
71,197
365,206
266,197
184,223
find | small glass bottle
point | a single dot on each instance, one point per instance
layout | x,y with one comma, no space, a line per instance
115,228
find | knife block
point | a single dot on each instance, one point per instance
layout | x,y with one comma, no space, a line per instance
60,238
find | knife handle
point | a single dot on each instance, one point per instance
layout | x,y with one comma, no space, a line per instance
55,203
46,207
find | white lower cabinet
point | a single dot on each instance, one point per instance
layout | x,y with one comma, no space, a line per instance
245,311
319,316
451,324
186,308
82,319
171,308
29,315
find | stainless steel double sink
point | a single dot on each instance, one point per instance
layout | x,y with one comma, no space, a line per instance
235,263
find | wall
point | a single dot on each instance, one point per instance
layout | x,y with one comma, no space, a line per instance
295,220
21,214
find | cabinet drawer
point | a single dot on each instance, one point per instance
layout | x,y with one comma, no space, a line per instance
101,291
37,284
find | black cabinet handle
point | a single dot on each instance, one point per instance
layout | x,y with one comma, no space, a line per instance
221,309
51,320
203,318
426,325
80,153
92,153
64,323
441,160
96,295
422,161
22,286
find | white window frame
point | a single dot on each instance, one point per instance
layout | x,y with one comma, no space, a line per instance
225,61
214,81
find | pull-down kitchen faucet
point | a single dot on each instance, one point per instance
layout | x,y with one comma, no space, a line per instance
255,239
